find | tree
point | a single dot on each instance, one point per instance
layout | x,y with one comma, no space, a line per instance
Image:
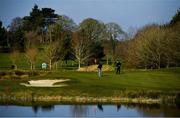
31,54
34,21
97,51
92,32
172,41
129,53
3,36
131,33
65,28
16,34
93,29
67,46
14,56
113,35
66,23
176,18
150,46
16,24
80,48
39,20
106,50
32,39
54,52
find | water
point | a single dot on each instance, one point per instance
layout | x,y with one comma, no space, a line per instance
130,110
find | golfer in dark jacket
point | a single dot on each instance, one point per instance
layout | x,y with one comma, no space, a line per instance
118,67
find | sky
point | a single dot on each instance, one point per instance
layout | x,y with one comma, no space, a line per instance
126,13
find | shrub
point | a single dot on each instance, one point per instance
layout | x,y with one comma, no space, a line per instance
19,72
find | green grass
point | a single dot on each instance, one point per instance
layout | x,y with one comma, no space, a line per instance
129,83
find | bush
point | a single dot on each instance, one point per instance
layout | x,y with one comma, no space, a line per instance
33,73
17,74
2,73
6,77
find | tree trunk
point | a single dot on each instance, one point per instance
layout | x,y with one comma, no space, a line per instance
167,66
56,64
79,61
50,64
145,65
15,66
31,66
50,37
107,61
34,66
159,63
112,60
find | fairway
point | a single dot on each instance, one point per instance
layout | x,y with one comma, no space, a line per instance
151,83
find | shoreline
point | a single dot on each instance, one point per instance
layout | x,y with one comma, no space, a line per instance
85,100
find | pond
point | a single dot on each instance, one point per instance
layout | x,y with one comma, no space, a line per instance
98,110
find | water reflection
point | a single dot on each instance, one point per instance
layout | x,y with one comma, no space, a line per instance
35,109
100,107
99,110
79,110
118,107
155,110
45,108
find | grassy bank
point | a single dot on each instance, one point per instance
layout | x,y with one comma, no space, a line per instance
131,86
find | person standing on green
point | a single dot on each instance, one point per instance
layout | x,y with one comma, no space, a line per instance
99,69
118,67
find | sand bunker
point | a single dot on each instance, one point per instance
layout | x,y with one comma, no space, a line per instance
44,83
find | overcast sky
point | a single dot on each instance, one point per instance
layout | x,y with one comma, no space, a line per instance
127,13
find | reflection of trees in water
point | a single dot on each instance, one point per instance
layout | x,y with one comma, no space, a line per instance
155,109
142,109
79,110
44,108
146,109
47,108
35,108
142,106
164,110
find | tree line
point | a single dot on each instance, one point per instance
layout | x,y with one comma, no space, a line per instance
58,37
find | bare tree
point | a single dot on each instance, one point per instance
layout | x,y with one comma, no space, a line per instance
131,32
150,46
81,48
14,56
54,53
171,44
31,54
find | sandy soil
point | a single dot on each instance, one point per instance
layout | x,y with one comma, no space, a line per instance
44,83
